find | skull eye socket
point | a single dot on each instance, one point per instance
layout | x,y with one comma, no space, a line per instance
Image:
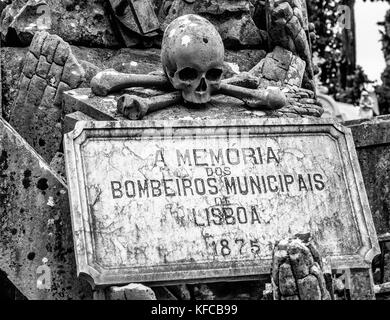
188,74
213,74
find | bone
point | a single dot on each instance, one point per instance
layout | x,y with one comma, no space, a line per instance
135,108
268,99
108,81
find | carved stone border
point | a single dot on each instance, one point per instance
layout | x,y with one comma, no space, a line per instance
83,242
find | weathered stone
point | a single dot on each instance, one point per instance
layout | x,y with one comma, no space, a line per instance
81,23
36,45
241,31
283,11
62,87
93,60
219,7
231,18
35,223
49,47
362,284
299,273
30,65
54,75
287,29
37,111
130,292
72,118
296,297
287,285
43,67
300,258
180,291
48,97
294,27
326,234
280,66
61,54
21,22
308,288
35,91
11,68
372,141
73,73
296,72
203,292
316,271
57,164
23,85
386,269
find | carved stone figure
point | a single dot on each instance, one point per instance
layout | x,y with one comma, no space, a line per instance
192,60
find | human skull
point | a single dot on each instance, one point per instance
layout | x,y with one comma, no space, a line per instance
192,57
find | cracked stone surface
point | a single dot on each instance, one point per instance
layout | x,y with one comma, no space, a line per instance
297,272
35,221
315,201
49,69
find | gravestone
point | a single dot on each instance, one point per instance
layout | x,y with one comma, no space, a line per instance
162,202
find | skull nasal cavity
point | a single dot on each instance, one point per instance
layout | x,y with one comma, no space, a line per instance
202,86
188,74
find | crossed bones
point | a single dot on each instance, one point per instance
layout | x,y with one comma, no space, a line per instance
135,108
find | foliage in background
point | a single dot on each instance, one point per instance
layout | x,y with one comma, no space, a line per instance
383,91
336,49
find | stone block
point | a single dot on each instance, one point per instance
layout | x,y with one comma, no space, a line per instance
298,14
308,288
283,11
72,118
300,259
294,27
130,292
57,164
43,67
24,83
35,91
283,56
298,275
61,54
48,97
73,74
54,75
287,285
37,42
372,141
30,64
296,297
62,87
49,47
37,113
273,71
36,226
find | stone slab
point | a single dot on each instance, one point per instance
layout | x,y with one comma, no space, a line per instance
36,235
37,112
372,141
71,119
151,203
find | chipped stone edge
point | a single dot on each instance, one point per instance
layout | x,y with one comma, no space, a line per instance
83,242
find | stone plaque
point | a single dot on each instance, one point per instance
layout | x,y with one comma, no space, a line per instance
190,201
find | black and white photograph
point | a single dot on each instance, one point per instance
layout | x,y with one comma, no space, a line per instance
193,154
